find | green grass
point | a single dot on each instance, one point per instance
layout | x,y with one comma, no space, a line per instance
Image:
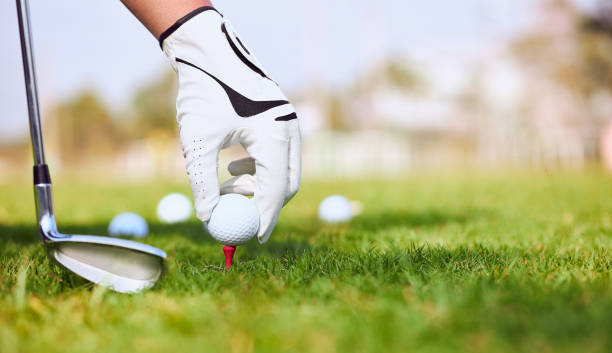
516,263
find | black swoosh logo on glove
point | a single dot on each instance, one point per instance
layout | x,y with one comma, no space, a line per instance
289,117
240,56
242,105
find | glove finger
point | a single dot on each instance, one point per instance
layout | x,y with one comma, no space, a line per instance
202,160
295,160
242,166
243,184
271,155
204,180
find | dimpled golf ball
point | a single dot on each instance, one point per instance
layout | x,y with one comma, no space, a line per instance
174,208
234,221
335,209
128,224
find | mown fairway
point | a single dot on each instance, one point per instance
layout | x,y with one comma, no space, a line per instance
515,263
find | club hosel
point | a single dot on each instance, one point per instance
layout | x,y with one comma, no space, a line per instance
43,196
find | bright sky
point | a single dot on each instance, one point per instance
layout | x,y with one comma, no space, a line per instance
98,44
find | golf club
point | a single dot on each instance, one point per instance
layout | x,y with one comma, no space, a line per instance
121,265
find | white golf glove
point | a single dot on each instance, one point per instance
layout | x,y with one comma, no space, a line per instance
225,97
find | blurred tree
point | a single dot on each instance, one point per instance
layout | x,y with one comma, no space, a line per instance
85,128
396,73
154,108
595,36
603,14
579,57
402,75
572,50
336,114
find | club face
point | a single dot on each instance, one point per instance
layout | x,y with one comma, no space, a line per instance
122,265
122,269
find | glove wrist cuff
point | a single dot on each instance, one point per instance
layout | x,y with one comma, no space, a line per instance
181,21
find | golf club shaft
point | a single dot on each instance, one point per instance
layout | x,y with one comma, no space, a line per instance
29,71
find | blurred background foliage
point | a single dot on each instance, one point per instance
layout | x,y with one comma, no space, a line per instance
84,128
153,107
542,100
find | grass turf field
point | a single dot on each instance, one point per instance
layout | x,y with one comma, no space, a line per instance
515,263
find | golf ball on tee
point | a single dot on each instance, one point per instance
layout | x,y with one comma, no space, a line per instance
335,209
128,224
234,221
174,208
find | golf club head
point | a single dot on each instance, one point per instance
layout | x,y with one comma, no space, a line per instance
121,265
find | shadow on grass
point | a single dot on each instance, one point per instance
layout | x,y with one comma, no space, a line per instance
20,234
277,248
193,231
28,234
302,228
429,218
299,231
292,237
308,226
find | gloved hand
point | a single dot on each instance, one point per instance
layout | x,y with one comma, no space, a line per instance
225,97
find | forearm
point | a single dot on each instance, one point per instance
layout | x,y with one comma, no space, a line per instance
158,15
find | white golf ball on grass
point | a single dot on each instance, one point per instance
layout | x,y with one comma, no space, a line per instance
338,209
174,208
128,224
234,221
